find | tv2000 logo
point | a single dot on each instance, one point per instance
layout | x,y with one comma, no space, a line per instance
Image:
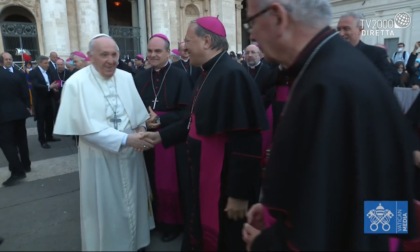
375,27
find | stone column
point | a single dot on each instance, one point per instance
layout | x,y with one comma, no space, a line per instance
134,13
55,27
103,16
160,17
143,26
87,22
238,12
225,9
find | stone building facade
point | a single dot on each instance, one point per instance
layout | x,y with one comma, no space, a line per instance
42,26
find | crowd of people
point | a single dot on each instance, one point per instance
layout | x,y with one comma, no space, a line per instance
275,148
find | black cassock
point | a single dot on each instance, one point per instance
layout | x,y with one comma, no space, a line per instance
224,151
342,140
192,71
168,92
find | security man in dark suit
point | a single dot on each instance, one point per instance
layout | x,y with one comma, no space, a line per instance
52,65
44,88
350,27
14,109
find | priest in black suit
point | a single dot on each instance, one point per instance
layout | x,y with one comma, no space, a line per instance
62,75
14,109
350,27
258,69
184,63
44,87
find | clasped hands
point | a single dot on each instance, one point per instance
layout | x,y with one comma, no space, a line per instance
142,140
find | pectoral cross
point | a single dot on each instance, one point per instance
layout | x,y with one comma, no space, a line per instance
115,120
154,102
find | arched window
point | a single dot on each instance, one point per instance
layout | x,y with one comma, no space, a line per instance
18,30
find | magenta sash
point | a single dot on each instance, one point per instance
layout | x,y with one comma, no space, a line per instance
267,135
282,92
211,164
168,206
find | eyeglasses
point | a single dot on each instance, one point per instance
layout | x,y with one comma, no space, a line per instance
249,22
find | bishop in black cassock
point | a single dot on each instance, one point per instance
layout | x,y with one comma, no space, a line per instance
223,139
166,90
342,140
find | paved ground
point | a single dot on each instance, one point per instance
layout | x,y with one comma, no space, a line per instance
42,212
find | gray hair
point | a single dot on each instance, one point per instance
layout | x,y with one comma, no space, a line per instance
313,13
101,35
358,17
217,42
41,58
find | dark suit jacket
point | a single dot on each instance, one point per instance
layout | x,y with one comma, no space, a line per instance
41,96
52,71
379,58
14,97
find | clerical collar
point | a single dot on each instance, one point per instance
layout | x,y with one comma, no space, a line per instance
185,61
97,74
163,68
253,67
209,64
295,68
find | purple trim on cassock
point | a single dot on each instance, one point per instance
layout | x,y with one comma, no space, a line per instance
268,219
168,206
282,92
394,244
211,164
267,135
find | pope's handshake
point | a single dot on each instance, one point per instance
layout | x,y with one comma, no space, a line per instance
136,141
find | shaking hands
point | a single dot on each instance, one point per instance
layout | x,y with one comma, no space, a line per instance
142,141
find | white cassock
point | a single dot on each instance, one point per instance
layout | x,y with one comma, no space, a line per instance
115,194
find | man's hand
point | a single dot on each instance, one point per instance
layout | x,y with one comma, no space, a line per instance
249,233
135,141
255,216
153,121
236,208
152,138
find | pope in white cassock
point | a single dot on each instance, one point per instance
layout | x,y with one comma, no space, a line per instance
101,105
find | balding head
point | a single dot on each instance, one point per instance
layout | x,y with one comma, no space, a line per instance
253,55
104,55
53,57
7,59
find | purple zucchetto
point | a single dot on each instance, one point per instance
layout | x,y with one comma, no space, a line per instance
160,35
81,55
212,24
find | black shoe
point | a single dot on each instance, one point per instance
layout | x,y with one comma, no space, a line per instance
1,240
27,169
53,139
141,250
167,237
45,146
14,179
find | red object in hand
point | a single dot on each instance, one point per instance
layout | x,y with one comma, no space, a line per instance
27,57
